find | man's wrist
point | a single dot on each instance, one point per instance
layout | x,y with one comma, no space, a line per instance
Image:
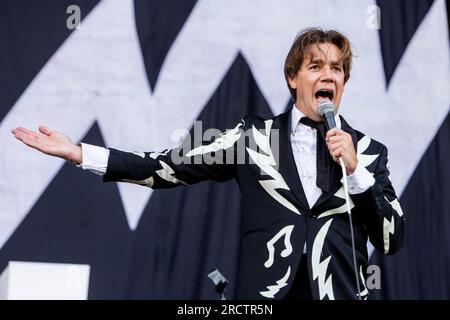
360,181
76,154
351,169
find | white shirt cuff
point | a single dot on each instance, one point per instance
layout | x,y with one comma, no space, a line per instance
360,180
95,159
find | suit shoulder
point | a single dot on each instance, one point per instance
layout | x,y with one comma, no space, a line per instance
374,146
253,120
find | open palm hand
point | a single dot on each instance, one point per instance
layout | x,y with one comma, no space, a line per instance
50,142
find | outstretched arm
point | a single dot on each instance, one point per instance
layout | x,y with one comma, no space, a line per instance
179,166
50,142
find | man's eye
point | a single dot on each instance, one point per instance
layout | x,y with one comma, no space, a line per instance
314,67
338,69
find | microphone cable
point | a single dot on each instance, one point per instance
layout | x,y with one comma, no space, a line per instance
347,201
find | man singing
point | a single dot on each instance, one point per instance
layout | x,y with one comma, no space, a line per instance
296,239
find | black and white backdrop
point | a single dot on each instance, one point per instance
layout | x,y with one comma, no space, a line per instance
137,72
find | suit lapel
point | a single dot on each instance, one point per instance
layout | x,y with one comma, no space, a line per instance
287,167
336,171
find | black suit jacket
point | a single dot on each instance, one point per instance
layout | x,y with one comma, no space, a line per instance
277,220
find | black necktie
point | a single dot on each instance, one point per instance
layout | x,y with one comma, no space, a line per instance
324,160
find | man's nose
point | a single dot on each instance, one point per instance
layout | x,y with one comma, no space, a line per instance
327,74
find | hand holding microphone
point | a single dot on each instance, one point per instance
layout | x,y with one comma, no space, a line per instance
339,142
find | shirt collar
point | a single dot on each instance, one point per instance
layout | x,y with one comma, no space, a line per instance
296,115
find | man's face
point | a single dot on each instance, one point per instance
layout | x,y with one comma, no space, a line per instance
321,76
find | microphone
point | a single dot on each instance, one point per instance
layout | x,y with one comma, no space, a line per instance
326,109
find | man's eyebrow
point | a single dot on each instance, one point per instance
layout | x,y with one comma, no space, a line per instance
318,61
336,63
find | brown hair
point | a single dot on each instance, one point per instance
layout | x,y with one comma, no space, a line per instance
301,48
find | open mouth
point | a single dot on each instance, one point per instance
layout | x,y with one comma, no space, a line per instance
324,94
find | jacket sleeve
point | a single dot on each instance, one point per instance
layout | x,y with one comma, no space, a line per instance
380,210
185,165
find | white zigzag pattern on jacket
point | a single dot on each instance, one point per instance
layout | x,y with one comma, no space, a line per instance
365,159
223,142
396,205
320,268
146,182
365,292
167,172
266,163
388,229
342,209
275,288
155,155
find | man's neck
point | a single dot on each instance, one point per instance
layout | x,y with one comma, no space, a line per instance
307,113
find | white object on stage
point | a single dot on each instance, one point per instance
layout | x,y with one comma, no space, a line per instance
44,281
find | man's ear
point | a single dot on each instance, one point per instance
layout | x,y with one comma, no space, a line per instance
292,83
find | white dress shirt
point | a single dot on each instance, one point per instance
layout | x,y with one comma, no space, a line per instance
303,143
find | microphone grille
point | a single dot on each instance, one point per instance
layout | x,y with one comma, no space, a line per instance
325,106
